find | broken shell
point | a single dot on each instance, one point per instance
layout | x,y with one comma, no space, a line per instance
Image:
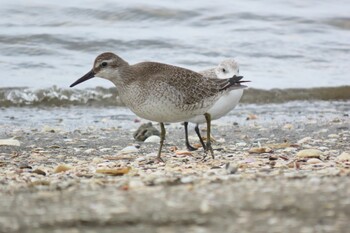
303,140
345,156
9,142
309,153
40,172
314,161
260,150
152,139
251,117
183,152
114,171
288,126
61,168
129,150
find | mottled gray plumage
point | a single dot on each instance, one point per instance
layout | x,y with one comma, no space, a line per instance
157,91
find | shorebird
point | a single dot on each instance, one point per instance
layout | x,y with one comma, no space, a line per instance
161,92
226,69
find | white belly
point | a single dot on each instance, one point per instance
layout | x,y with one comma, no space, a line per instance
164,111
221,107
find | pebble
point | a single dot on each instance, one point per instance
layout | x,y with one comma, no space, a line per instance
62,168
345,156
40,172
186,179
309,153
105,149
153,139
314,161
50,129
129,150
288,126
231,169
241,144
303,140
89,151
9,142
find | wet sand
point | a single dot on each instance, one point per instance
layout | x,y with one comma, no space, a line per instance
278,168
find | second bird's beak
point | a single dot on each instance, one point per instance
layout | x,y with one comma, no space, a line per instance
87,76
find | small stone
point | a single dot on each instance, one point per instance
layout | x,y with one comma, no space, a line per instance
186,179
153,139
62,168
309,153
24,166
129,150
40,172
89,151
140,159
97,160
9,142
273,157
345,156
314,161
333,136
288,126
251,117
303,140
221,140
241,144
231,169
105,149
50,129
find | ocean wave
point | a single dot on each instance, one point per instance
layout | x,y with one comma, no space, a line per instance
60,97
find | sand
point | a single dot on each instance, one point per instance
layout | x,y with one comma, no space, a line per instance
278,168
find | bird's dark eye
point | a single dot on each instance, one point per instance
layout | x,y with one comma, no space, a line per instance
223,70
104,64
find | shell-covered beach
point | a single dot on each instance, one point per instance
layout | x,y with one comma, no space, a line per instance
278,167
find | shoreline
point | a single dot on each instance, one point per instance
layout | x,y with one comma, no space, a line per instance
60,178
100,96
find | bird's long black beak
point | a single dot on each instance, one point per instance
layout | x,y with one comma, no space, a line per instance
87,76
237,79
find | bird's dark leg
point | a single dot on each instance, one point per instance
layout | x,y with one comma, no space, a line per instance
200,137
208,148
162,138
189,147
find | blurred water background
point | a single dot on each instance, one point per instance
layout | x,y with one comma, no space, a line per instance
46,45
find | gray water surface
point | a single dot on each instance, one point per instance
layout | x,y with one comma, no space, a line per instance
279,44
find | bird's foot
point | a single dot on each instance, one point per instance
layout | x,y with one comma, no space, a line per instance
191,148
159,160
209,149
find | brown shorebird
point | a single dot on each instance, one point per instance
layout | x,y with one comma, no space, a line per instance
226,69
161,92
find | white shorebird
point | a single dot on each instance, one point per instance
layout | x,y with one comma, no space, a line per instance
226,69
161,92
